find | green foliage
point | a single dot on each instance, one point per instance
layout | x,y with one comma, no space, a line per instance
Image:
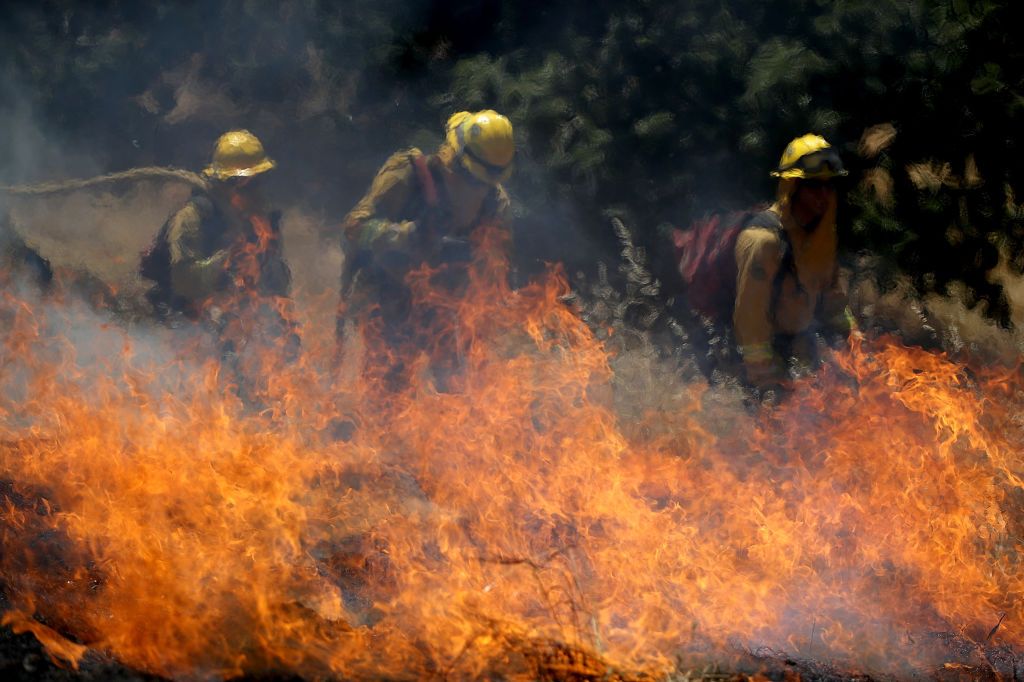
670,110
662,111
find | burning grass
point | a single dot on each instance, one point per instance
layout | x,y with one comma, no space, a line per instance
522,513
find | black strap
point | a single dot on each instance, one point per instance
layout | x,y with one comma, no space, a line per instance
787,265
433,197
428,184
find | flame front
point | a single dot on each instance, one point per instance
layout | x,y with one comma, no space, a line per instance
340,523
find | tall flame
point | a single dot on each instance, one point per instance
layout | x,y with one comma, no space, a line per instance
493,514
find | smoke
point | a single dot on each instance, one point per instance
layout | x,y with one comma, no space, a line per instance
321,126
27,151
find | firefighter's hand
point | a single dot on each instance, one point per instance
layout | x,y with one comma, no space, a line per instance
396,233
379,232
767,380
217,270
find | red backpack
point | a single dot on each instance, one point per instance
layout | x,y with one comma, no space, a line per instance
705,255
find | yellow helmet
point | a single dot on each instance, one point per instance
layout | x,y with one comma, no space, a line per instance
810,157
483,144
238,154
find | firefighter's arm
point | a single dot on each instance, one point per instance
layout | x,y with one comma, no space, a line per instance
758,258
195,274
377,222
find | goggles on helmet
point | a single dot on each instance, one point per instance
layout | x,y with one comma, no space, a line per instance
494,172
824,163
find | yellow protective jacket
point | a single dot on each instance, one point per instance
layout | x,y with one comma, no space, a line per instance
397,194
780,295
406,220
209,253
198,254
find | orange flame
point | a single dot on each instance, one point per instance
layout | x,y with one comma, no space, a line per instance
496,509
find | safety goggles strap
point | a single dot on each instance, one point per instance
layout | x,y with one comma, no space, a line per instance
818,161
493,170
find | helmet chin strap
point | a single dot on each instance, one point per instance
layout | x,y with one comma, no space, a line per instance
467,174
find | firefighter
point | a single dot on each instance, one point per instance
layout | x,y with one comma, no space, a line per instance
218,261
787,286
421,209
224,243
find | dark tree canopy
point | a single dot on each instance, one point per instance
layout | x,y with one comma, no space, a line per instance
659,111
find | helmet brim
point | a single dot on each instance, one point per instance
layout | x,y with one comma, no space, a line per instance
801,174
822,164
214,171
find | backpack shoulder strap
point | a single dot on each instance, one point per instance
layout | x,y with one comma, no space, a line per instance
428,185
769,220
787,264
494,205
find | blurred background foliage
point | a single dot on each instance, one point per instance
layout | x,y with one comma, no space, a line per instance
658,112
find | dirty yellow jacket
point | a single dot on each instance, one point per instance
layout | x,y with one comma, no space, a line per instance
401,223
770,303
397,196
198,256
206,246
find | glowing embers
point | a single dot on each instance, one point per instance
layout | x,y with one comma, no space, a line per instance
488,512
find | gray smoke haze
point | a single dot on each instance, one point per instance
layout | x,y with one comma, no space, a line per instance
316,121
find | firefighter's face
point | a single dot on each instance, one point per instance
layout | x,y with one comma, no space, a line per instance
243,191
812,198
247,185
